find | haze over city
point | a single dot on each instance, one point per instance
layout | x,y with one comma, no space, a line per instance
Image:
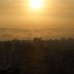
36,36
47,19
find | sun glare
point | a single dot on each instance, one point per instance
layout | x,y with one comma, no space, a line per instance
36,4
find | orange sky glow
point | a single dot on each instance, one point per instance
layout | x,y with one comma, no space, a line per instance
37,14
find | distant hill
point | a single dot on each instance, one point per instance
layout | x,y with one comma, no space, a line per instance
45,33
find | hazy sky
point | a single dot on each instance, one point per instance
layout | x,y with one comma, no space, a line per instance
55,14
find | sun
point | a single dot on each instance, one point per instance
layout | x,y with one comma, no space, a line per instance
36,4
